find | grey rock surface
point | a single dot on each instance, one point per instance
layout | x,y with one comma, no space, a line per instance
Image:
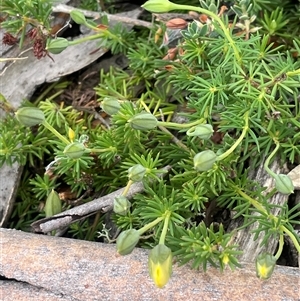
81,270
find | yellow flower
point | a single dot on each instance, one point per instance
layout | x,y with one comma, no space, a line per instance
71,134
265,264
160,265
225,259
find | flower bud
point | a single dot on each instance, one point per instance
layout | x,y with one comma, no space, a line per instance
78,17
273,26
265,264
30,116
205,160
284,184
177,23
71,134
110,105
74,150
160,265
143,121
53,204
203,131
121,205
158,34
136,173
159,6
126,241
57,45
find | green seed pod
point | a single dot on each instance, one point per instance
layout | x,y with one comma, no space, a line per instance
57,45
136,173
30,116
121,205
159,6
284,184
160,265
126,241
53,204
203,131
205,160
265,264
143,121
74,150
110,105
78,17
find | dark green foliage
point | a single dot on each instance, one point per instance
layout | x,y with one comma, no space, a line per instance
243,81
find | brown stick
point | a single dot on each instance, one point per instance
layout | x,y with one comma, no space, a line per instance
61,8
104,204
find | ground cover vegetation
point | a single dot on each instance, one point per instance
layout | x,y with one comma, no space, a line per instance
205,101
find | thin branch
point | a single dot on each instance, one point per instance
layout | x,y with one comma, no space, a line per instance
6,59
62,8
104,204
13,60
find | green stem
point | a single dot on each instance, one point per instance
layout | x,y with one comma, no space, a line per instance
267,162
174,139
88,25
150,225
125,191
165,229
280,247
252,201
174,125
85,39
102,150
55,132
102,34
235,145
180,126
292,237
283,229
216,18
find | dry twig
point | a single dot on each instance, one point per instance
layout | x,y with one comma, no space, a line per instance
61,8
104,204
